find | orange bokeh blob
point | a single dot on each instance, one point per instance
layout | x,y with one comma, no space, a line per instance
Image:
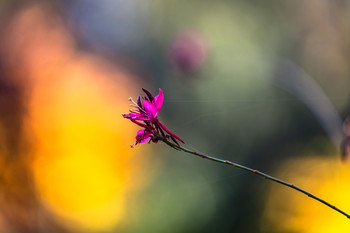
83,165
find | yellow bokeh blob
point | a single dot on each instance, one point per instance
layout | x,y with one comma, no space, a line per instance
83,153
289,211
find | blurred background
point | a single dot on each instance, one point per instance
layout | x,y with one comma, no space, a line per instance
262,83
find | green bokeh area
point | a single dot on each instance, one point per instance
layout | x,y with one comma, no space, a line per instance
233,107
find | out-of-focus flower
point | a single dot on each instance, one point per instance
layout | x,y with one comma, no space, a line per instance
145,115
187,52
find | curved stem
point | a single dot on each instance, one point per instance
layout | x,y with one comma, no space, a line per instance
266,176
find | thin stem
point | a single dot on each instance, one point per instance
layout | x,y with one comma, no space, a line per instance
266,176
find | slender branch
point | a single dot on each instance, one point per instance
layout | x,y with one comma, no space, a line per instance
266,176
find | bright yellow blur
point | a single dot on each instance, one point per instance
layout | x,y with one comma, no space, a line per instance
84,166
82,157
289,211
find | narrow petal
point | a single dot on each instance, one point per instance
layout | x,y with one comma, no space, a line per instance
168,131
130,115
141,124
143,136
127,116
141,118
158,102
139,102
150,96
174,140
137,116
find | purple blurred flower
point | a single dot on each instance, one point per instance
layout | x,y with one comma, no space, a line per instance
188,52
145,115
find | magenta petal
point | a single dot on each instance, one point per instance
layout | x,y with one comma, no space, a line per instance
145,139
143,136
141,118
136,116
131,115
149,108
140,132
158,102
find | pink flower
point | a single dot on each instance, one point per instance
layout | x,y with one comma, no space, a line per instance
188,52
145,115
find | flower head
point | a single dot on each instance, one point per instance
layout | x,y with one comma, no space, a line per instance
188,52
145,114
